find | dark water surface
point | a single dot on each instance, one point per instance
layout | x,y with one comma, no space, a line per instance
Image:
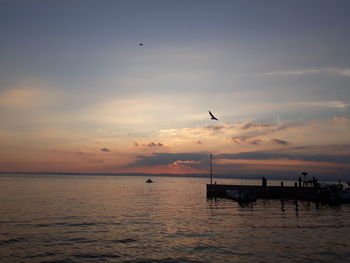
123,219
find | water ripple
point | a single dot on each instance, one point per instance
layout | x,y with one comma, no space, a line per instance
95,256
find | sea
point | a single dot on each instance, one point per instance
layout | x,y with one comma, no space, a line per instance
84,218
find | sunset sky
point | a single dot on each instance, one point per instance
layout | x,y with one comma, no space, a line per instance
79,94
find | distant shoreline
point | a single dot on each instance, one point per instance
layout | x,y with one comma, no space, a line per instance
219,176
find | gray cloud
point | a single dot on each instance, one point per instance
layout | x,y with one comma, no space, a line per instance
280,142
251,131
246,139
202,159
256,142
239,139
105,150
268,155
153,144
343,149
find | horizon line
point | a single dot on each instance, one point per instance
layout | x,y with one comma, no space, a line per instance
219,176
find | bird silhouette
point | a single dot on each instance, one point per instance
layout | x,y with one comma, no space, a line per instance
140,44
212,116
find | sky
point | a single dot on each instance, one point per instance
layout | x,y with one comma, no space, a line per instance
78,93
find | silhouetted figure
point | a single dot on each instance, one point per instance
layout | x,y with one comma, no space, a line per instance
264,182
212,116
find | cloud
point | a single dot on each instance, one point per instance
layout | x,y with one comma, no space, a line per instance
246,139
190,162
251,125
28,93
269,155
326,104
328,70
153,144
28,98
105,150
170,158
207,131
280,142
340,119
17,97
256,142
218,136
225,129
251,162
69,152
214,127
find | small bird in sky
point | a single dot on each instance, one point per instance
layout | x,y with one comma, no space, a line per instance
212,116
141,44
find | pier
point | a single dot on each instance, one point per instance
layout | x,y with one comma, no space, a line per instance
304,191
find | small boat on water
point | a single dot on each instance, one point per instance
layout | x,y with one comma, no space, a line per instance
149,181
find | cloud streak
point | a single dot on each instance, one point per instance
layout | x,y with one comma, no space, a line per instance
105,150
280,142
327,70
251,125
246,139
151,144
170,158
266,155
326,104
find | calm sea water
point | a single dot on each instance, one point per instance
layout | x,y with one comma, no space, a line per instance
123,219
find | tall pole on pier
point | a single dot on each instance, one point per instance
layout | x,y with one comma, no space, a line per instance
211,169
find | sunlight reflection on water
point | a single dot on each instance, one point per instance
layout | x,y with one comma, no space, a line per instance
123,219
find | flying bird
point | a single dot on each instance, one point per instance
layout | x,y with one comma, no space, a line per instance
212,116
140,44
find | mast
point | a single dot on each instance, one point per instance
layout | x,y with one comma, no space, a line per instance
211,169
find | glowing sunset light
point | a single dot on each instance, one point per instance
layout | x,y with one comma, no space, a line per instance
89,98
